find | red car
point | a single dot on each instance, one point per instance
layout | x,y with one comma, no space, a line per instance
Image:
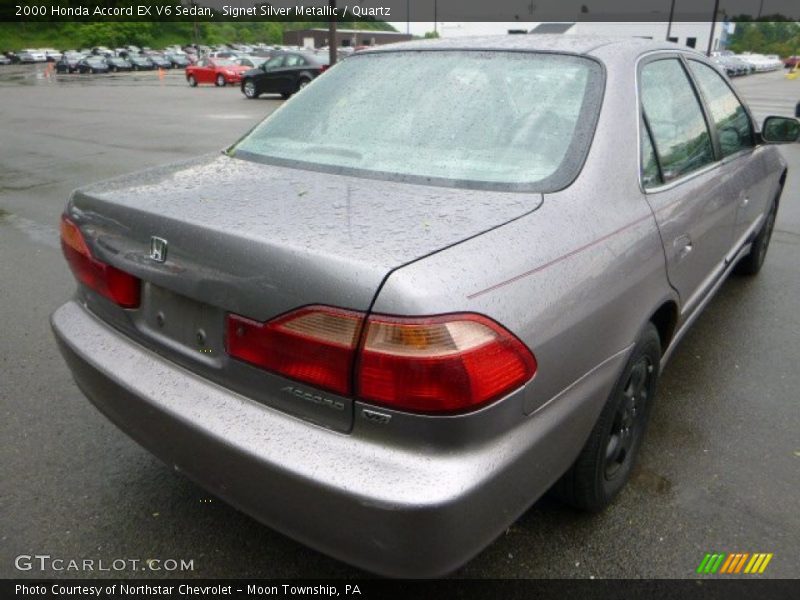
219,71
791,62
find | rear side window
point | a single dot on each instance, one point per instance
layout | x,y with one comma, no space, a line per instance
275,62
676,120
733,125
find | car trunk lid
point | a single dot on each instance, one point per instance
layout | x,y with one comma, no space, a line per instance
260,240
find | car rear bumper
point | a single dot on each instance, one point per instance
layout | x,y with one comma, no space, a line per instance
395,511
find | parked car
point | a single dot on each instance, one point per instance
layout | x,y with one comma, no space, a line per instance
93,64
159,61
4,60
51,54
416,302
726,67
140,63
29,57
791,62
226,54
284,74
177,61
102,51
762,63
68,63
219,71
248,61
115,64
742,67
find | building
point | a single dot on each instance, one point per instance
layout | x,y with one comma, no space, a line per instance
694,34
317,38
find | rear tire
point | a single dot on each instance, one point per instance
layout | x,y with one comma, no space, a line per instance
220,81
303,82
604,465
286,95
751,263
192,80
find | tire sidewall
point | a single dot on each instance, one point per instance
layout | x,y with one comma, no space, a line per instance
605,489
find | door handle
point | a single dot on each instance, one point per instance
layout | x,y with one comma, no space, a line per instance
683,244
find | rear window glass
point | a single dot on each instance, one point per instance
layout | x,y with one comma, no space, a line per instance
498,120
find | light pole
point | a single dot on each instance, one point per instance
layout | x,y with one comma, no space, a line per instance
713,27
332,33
671,15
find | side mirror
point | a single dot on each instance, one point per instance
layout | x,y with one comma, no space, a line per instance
780,130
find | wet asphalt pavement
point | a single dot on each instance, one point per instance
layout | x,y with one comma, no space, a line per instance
720,469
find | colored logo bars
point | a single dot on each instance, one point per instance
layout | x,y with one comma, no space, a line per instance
734,563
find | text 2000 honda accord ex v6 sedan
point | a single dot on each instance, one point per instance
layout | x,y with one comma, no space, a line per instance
438,281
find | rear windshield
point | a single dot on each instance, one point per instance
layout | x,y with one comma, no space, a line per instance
479,119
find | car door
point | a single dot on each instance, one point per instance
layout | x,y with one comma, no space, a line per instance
270,81
203,71
680,177
743,165
292,67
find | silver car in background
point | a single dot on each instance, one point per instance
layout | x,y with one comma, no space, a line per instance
440,281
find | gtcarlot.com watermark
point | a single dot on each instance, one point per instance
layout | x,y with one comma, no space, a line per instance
45,563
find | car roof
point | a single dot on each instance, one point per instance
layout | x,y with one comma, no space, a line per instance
536,42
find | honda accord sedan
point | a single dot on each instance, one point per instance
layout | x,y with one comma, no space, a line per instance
402,308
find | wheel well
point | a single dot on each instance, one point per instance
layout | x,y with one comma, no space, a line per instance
665,319
782,180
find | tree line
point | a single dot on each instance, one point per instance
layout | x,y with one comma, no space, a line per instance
769,36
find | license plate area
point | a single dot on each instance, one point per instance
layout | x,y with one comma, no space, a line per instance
183,324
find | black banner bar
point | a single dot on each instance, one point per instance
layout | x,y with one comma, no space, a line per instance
522,11
744,587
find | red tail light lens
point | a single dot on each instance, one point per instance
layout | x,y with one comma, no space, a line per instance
118,286
441,364
315,345
444,364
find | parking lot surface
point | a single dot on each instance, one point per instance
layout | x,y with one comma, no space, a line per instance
719,469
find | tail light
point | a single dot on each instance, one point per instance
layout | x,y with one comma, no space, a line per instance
444,364
315,345
118,286
440,364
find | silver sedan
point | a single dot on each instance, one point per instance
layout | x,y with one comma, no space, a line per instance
439,282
